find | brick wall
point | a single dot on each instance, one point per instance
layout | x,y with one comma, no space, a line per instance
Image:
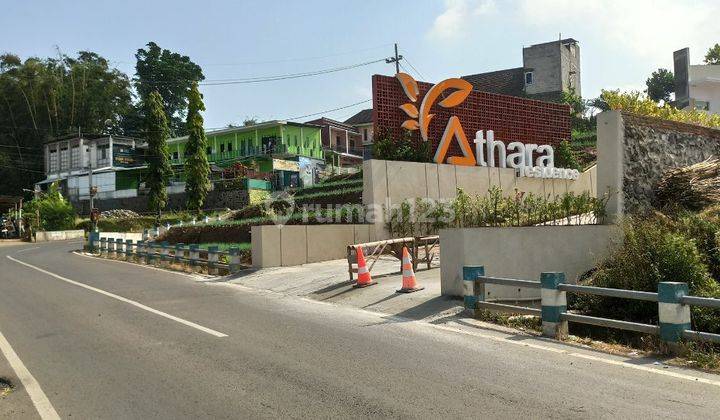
512,118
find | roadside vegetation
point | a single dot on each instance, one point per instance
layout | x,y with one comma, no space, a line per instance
427,217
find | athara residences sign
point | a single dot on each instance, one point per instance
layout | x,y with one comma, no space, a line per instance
529,160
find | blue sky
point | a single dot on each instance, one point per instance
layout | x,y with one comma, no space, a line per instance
621,41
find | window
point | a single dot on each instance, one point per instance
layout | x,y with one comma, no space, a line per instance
229,149
208,150
702,105
529,79
365,138
222,148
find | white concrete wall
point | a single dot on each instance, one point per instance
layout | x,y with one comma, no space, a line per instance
274,246
133,236
522,252
610,148
387,183
59,235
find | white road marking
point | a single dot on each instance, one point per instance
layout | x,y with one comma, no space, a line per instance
41,402
123,299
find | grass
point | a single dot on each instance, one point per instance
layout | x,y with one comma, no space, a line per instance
521,322
224,246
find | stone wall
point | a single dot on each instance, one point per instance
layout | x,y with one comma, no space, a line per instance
634,152
216,199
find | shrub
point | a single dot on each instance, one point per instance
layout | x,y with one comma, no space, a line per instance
426,216
653,250
692,187
406,148
55,212
565,156
638,103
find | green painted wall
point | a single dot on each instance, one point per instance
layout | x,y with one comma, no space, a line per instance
293,140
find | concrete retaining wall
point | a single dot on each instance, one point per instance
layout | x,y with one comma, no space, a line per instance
133,236
59,235
522,252
387,182
274,246
635,151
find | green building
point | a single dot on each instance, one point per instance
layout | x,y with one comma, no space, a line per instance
291,152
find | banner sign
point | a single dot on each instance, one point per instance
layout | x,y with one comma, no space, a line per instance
446,113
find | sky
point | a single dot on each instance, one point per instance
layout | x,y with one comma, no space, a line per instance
621,42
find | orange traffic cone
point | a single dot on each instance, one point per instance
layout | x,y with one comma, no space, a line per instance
364,279
409,284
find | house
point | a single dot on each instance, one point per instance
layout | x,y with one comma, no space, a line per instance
548,70
291,151
341,142
363,122
116,162
696,86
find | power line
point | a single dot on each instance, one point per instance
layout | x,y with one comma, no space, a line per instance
416,70
329,110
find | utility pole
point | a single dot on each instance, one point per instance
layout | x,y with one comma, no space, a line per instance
396,59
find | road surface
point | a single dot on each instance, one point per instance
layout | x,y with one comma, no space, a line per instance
104,339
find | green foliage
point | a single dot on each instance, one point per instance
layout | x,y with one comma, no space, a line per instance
42,98
638,103
159,170
197,167
713,55
656,248
171,75
565,156
405,149
660,85
426,216
580,120
134,224
56,213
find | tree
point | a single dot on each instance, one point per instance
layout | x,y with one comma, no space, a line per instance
55,212
171,75
713,55
159,170
197,168
660,85
42,98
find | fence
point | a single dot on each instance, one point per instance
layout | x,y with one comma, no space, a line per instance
163,255
672,298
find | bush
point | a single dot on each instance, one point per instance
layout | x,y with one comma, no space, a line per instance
405,149
426,216
56,213
565,156
638,103
655,249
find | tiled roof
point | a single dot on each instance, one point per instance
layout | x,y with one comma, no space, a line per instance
362,117
506,82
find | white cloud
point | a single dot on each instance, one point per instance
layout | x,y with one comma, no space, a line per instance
648,29
458,15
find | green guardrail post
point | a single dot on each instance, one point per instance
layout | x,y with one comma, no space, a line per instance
112,252
103,247
141,252
554,304
179,253
164,254
194,257
120,248
213,260
673,316
473,290
129,250
234,263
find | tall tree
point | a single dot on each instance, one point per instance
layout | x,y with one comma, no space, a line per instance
197,167
171,75
713,55
41,98
660,85
159,170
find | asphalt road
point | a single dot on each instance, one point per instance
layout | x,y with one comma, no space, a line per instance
106,339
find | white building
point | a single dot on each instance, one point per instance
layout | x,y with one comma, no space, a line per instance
696,86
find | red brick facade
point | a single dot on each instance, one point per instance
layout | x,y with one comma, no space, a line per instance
511,118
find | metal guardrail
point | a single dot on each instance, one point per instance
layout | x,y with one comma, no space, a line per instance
162,254
672,298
